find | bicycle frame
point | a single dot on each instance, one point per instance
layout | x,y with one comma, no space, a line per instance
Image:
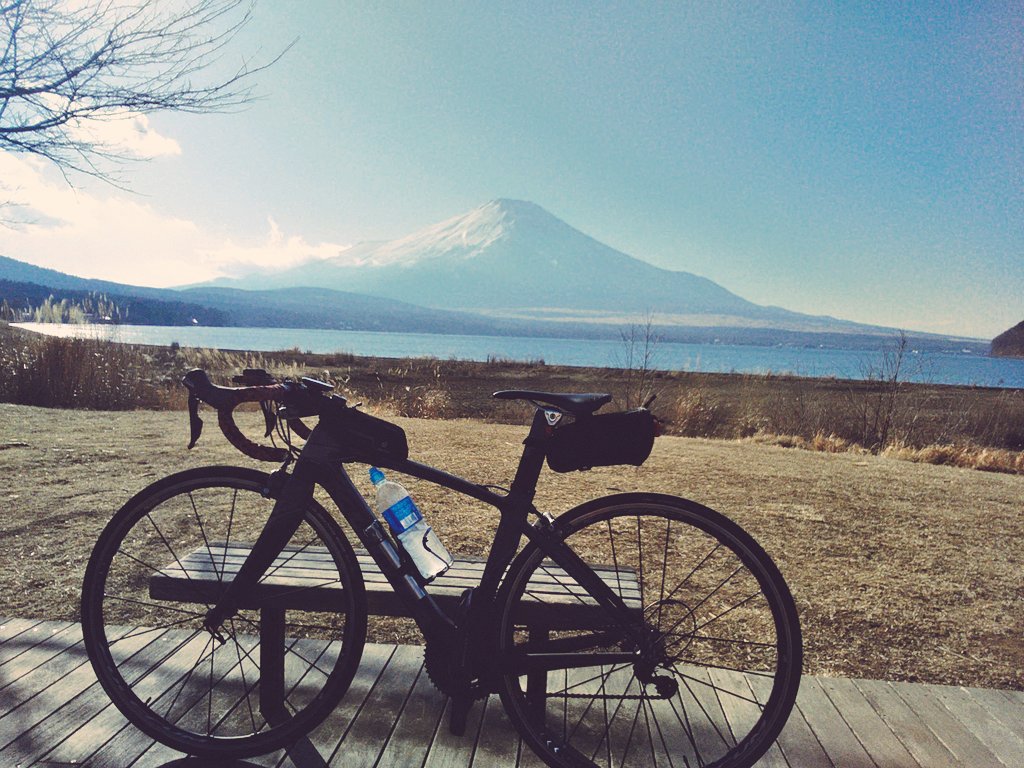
322,463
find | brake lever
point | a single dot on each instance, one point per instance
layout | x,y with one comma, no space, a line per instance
194,422
269,416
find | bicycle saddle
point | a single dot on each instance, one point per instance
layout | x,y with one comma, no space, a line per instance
576,404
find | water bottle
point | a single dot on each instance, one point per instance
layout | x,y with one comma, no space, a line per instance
417,538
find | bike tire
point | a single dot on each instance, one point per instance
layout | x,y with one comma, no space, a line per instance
173,679
720,663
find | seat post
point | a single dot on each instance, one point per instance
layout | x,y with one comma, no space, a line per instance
531,463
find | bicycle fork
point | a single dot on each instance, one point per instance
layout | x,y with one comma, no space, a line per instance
284,520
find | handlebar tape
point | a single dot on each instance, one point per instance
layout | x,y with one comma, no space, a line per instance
225,400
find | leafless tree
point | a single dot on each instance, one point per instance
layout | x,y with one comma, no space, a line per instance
878,407
66,64
637,357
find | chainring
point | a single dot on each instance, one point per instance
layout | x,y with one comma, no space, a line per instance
446,668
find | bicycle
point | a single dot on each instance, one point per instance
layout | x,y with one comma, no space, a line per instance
684,648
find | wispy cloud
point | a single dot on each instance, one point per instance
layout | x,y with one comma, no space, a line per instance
128,133
112,235
276,250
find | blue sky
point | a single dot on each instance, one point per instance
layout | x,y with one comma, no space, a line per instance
861,161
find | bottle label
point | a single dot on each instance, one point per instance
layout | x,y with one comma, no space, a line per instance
403,514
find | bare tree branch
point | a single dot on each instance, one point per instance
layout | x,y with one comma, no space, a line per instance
65,65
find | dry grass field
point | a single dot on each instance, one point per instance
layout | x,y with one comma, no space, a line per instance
900,570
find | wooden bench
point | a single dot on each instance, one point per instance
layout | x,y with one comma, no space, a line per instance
306,579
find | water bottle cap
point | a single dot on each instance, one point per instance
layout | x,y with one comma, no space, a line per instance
376,476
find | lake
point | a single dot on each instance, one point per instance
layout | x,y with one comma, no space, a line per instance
946,367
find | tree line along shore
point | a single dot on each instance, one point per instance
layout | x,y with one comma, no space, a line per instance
965,426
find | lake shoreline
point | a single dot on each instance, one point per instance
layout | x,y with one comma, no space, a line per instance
952,366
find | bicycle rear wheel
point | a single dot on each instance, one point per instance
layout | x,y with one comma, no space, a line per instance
275,669
708,671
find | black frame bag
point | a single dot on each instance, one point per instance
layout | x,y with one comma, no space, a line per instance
605,440
367,436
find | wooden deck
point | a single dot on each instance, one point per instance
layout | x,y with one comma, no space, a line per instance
54,713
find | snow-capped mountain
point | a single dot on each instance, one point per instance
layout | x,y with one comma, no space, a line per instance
512,258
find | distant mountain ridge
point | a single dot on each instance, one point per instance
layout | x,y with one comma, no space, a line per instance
513,255
1009,343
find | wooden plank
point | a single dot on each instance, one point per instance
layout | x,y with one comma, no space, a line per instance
38,646
68,719
697,706
1014,697
1003,741
92,735
57,713
30,677
26,640
1007,711
372,727
53,685
905,723
418,722
742,711
965,746
869,728
324,739
835,736
798,743
162,673
497,742
447,750
329,736
10,628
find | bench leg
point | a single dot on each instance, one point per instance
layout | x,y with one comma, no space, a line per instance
271,662
537,682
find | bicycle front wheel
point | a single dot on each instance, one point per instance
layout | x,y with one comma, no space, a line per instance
703,673
274,670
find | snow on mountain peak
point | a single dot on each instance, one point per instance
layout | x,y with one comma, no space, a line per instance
463,236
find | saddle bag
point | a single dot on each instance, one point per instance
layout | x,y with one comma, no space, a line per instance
605,440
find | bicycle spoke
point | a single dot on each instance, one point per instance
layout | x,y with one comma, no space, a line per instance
687,727
632,730
614,668
202,530
726,612
696,568
143,563
693,609
227,541
139,631
664,573
161,606
187,677
241,669
275,568
683,676
640,559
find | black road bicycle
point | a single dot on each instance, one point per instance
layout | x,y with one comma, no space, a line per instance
225,611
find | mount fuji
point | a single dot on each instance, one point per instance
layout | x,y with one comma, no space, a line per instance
512,259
